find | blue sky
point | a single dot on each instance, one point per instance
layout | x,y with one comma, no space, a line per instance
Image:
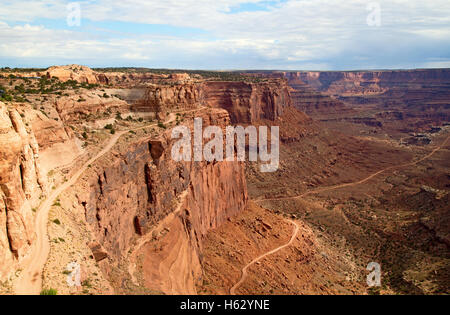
227,34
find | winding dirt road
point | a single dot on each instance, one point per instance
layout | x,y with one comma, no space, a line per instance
244,270
254,261
30,280
315,191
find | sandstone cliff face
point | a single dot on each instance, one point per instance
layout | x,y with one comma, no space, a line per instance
248,102
422,96
21,184
161,98
310,101
142,186
370,82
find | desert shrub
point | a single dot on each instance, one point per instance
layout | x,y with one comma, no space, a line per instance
49,292
6,98
161,125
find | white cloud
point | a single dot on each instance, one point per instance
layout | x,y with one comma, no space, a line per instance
294,33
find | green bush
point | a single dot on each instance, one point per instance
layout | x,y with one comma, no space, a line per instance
49,292
6,98
161,125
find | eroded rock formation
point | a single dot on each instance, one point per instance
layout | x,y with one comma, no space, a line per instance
21,184
310,101
403,100
78,73
160,98
371,82
133,195
248,102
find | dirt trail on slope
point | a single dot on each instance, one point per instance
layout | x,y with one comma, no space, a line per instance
361,181
244,270
30,279
149,236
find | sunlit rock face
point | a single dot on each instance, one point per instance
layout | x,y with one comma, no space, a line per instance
21,184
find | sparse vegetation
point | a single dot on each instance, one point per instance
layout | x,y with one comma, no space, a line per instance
49,292
161,125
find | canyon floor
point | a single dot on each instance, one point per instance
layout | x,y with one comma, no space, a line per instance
88,179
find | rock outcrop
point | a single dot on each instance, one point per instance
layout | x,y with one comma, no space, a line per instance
21,184
91,104
248,102
78,73
141,187
85,74
162,98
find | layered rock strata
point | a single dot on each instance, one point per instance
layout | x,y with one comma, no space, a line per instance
136,193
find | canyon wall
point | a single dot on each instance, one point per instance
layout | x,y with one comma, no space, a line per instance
416,98
245,102
162,98
21,185
371,82
310,101
248,102
140,188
